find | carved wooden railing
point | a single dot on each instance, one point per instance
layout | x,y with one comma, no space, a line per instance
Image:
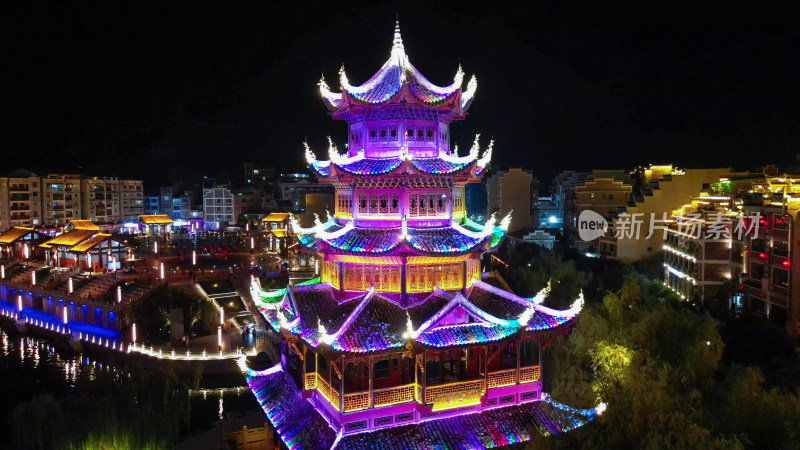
502,378
529,374
432,391
311,381
393,396
356,401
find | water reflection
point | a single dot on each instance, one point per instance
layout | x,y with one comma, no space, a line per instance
30,366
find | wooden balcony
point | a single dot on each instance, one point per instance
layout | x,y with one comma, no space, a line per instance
432,391
394,396
528,374
355,401
359,401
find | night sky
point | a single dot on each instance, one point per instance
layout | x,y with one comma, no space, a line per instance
161,91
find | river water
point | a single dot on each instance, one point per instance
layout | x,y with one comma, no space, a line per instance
29,366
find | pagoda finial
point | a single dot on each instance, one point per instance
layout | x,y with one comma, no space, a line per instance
398,40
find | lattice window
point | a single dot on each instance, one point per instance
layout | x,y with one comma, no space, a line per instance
330,273
458,205
430,204
344,205
425,278
363,204
473,270
383,203
383,278
311,381
378,204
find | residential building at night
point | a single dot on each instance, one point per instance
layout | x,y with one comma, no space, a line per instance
512,190
246,200
605,192
771,255
563,188
476,201
131,199
21,200
63,199
662,190
402,334
100,199
217,205
699,255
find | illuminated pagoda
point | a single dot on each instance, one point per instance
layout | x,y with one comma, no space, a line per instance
402,340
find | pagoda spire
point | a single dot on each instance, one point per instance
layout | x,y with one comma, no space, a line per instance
398,40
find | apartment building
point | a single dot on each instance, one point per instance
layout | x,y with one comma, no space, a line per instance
512,190
131,199
62,199
20,200
217,205
661,189
52,200
771,253
100,197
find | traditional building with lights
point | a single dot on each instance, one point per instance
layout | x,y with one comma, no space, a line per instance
402,340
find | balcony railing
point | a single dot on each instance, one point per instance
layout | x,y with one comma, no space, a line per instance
502,378
356,401
432,391
528,374
393,396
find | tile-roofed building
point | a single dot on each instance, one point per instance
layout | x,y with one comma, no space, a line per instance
399,330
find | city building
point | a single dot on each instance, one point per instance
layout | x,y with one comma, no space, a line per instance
771,253
152,205
52,200
131,199
293,188
246,201
100,199
548,213
698,253
475,201
256,176
512,190
661,190
21,200
563,194
217,205
605,192
402,336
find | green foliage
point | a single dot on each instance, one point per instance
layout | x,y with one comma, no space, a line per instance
115,411
153,312
657,367
530,267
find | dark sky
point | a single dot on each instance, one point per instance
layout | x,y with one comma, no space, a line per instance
161,90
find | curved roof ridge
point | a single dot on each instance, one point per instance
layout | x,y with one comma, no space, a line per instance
353,315
503,293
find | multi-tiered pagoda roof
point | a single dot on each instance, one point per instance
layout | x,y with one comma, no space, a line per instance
403,333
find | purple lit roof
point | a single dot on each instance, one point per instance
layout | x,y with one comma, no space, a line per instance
372,323
427,241
295,420
437,166
300,425
497,427
395,74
